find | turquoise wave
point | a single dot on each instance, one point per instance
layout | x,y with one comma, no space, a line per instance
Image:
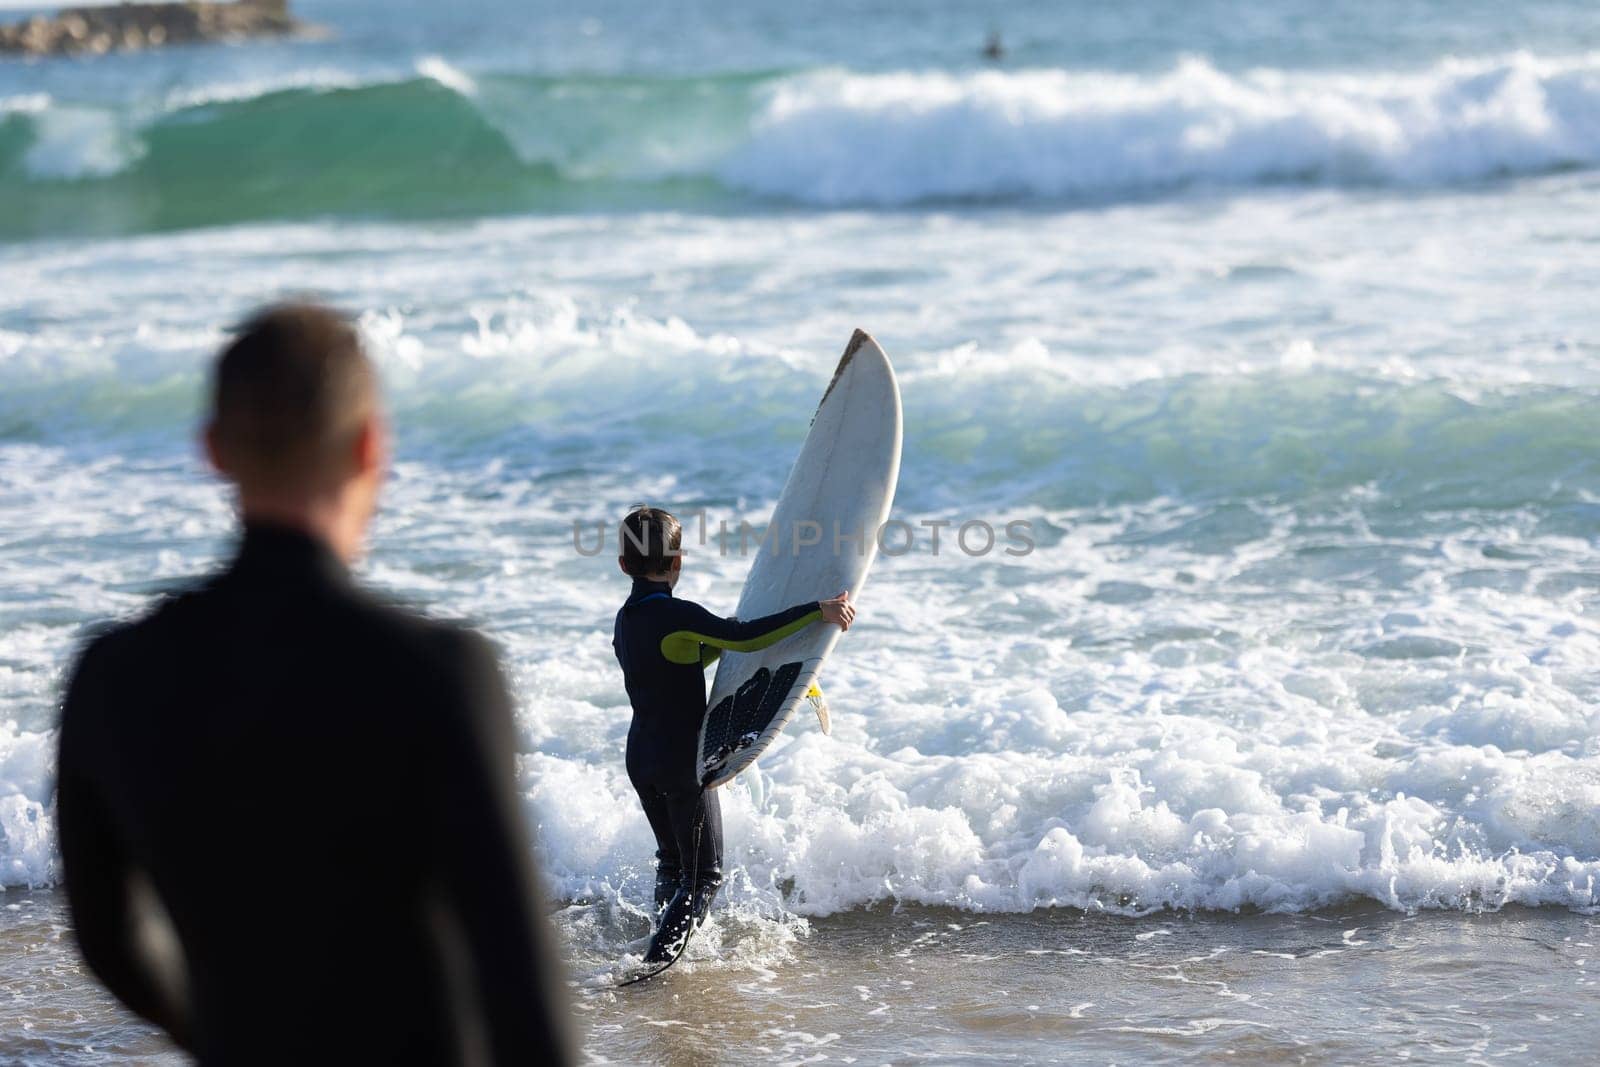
446,143
409,149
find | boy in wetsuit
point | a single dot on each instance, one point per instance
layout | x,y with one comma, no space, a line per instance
664,645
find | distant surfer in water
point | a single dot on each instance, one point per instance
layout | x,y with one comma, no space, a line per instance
994,49
664,645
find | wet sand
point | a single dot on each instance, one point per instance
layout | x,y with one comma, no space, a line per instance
1361,985
932,986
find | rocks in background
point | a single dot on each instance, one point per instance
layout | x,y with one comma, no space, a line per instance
96,30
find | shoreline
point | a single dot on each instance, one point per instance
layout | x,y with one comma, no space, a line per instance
916,984
1353,984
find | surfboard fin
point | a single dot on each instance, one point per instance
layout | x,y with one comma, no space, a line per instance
819,704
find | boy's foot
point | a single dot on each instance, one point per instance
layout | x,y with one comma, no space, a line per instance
683,916
668,878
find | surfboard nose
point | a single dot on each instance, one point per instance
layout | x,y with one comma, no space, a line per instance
857,340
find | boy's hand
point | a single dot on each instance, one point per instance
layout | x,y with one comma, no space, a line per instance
839,610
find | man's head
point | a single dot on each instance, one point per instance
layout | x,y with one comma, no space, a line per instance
295,423
651,540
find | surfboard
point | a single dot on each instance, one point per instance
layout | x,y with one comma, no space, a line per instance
822,539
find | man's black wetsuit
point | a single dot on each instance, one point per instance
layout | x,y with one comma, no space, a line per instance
664,645
320,789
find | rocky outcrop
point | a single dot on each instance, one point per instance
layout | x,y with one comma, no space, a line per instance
93,30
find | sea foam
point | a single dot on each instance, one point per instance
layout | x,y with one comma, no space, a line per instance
73,143
1311,617
842,138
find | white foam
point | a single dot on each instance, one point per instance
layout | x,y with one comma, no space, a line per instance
24,103
842,138
316,79
1197,692
72,143
27,828
985,762
837,137
447,75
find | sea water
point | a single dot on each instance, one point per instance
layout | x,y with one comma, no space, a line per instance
1275,326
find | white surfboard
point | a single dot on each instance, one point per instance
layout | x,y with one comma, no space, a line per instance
822,539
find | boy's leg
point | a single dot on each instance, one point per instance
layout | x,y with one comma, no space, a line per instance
669,869
697,822
710,857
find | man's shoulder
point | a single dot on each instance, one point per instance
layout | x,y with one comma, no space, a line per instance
399,635
113,654
440,662
112,639
449,669
408,629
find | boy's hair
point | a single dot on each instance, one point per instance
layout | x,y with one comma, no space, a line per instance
649,539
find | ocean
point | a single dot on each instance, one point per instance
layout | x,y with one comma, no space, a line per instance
1275,324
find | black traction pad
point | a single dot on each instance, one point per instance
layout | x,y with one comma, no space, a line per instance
739,720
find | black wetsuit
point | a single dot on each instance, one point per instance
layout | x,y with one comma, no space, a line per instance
664,645
320,789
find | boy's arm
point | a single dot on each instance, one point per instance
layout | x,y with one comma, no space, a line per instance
700,637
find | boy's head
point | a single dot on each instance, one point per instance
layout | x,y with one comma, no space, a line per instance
651,540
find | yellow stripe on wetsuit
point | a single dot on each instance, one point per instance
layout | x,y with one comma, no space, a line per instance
686,646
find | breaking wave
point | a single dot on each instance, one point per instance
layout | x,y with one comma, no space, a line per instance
442,141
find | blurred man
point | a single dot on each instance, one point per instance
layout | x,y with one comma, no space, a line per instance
316,788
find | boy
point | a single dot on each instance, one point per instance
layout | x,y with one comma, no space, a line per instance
664,645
